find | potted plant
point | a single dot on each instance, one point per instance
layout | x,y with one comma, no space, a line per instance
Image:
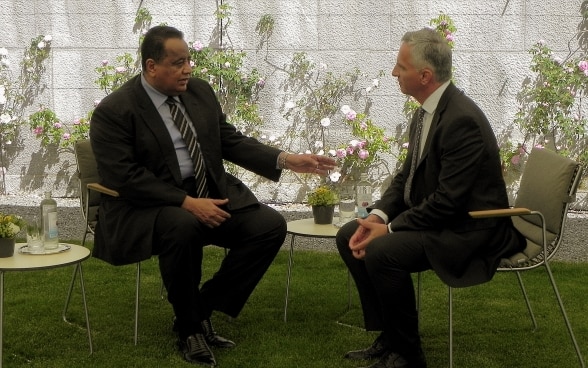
323,200
10,225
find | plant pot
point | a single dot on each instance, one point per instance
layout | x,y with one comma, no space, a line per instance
323,214
6,247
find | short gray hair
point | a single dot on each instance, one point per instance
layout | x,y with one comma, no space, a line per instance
429,49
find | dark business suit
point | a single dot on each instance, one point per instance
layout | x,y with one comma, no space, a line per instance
136,157
459,171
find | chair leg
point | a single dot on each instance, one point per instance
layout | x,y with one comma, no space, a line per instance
524,291
289,275
565,316
450,309
137,289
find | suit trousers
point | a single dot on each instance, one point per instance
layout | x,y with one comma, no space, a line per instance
252,235
385,287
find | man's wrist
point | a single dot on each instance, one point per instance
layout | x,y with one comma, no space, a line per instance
282,160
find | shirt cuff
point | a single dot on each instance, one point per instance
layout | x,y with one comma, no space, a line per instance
380,214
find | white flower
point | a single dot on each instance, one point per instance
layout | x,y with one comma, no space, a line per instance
345,109
5,118
290,105
41,45
335,176
227,65
12,229
332,152
318,144
376,82
48,38
325,122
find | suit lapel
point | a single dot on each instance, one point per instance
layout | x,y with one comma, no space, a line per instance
153,122
441,106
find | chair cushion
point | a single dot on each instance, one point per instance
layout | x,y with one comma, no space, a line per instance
547,194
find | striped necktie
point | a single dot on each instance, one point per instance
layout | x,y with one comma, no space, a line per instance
415,144
190,140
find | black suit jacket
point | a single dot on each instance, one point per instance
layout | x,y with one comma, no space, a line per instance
136,157
459,171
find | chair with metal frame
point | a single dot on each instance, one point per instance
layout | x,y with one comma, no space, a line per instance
90,192
548,185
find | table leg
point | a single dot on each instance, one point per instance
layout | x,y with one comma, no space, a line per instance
78,269
289,276
79,266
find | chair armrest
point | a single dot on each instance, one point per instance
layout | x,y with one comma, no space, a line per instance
503,212
102,189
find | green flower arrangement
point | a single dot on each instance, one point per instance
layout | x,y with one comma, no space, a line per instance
10,225
323,196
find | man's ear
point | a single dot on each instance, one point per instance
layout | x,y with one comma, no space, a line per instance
150,66
426,76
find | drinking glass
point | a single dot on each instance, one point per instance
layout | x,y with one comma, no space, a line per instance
346,210
35,236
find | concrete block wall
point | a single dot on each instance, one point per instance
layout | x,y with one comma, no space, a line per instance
490,55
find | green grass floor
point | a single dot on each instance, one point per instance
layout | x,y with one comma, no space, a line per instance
491,324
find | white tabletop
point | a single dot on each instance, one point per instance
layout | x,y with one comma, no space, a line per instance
307,227
26,262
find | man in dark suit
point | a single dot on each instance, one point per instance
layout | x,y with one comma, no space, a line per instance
160,141
421,221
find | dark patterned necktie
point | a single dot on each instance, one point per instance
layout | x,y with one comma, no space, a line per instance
190,140
416,143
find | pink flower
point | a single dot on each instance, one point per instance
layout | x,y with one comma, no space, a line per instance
351,114
57,125
38,130
104,62
515,160
341,152
363,154
350,150
76,122
120,69
65,136
261,82
583,65
197,45
363,126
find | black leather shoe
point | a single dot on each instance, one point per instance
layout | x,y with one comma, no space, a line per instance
196,351
395,360
378,349
212,338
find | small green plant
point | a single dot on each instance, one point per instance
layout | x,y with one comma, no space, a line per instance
323,196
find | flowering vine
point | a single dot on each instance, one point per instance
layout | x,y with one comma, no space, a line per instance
550,111
17,93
